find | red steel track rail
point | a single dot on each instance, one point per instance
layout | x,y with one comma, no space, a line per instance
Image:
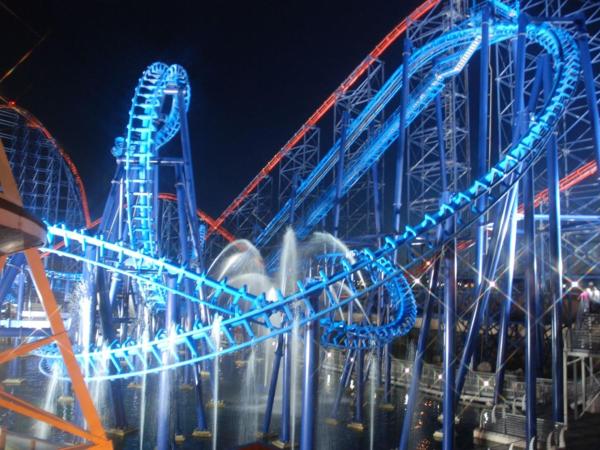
327,105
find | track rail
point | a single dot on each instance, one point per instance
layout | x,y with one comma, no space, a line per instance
362,68
241,312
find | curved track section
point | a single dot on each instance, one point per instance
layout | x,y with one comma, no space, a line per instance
238,323
153,121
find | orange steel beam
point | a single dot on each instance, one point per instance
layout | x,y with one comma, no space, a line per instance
202,215
61,338
19,406
326,106
23,349
96,434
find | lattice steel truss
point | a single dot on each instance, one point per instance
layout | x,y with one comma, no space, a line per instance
51,190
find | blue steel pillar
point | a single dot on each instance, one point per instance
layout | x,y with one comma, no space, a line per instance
311,382
482,294
556,273
108,334
285,434
417,369
482,146
183,221
449,401
346,371
590,89
360,389
273,387
398,185
380,293
506,302
530,310
339,175
432,286
163,439
528,243
401,146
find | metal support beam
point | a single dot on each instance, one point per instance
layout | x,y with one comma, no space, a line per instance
556,268
311,381
449,401
590,89
506,302
346,371
482,147
285,434
108,336
163,434
339,175
428,309
360,387
417,369
401,143
273,386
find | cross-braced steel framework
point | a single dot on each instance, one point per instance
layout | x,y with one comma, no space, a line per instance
492,104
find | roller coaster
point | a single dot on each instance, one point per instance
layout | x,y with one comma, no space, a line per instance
543,58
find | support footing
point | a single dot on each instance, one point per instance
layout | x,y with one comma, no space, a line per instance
201,434
66,400
456,419
331,421
356,426
13,381
387,407
266,436
179,438
280,444
211,404
120,432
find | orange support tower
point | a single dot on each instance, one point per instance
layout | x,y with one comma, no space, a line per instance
21,232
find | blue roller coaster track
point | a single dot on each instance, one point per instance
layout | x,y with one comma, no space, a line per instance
241,312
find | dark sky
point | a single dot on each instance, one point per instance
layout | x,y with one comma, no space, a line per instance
258,69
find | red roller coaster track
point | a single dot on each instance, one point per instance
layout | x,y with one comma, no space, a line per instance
327,105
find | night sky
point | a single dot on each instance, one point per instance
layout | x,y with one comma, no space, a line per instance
257,69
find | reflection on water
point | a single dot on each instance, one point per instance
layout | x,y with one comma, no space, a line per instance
237,414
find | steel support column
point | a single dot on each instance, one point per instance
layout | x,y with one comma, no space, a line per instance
590,89
108,335
339,175
273,386
346,371
285,434
401,143
398,185
360,387
528,242
417,369
163,437
428,310
449,401
506,302
482,146
556,269
311,381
